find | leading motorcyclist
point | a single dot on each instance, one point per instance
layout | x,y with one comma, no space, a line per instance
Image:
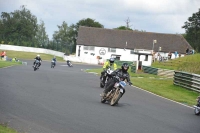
37,58
121,71
108,64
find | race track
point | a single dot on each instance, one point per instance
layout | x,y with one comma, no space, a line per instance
66,100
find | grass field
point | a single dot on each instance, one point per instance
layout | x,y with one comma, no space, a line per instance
189,63
8,63
30,55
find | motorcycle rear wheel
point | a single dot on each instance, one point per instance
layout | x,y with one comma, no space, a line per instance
115,98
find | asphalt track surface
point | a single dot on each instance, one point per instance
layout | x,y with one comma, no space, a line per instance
66,100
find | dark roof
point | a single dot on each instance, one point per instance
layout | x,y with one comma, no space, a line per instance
101,37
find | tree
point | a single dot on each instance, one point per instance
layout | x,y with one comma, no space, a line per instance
18,27
41,36
84,22
192,28
123,28
89,23
62,37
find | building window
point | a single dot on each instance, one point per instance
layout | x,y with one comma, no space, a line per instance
113,50
132,52
90,48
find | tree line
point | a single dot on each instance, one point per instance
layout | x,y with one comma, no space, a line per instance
21,28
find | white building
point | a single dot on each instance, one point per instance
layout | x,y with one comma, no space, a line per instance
126,45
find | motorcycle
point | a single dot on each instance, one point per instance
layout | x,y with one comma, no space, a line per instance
36,66
69,64
53,64
197,107
115,93
107,75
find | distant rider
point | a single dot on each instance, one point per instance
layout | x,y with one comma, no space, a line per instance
54,59
37,58
68,62
108,64
119,72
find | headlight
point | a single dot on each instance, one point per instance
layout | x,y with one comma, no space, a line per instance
116,84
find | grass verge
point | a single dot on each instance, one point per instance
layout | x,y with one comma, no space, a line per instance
161,86
5,129
8,63
30,55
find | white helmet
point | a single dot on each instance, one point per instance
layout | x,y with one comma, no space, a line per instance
38,55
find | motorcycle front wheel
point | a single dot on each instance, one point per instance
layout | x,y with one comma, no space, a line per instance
103,100
115,98
35,68
196,111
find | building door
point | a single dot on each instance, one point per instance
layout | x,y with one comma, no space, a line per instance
140,65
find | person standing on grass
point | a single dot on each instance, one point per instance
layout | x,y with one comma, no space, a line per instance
175,53
3,54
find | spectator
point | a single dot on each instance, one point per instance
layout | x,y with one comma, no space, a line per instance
156,56
153,55
3,54
159,57
170,55
179,55
14,59
192,51
175,53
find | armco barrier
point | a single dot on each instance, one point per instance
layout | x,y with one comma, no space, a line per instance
187,80
133,69
150,70
119,63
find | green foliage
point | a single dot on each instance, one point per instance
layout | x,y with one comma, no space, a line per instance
63,38
192,27
18,26
122,28
41,35
89,23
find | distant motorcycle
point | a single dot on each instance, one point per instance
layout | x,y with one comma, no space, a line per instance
197,107
36,66
53,64
69,64
116,92
108,76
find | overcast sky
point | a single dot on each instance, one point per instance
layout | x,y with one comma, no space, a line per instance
161,16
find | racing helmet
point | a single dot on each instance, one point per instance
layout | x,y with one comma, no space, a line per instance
125,67
112,60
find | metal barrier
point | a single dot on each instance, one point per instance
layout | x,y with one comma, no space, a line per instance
133,69
187,80
150,70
